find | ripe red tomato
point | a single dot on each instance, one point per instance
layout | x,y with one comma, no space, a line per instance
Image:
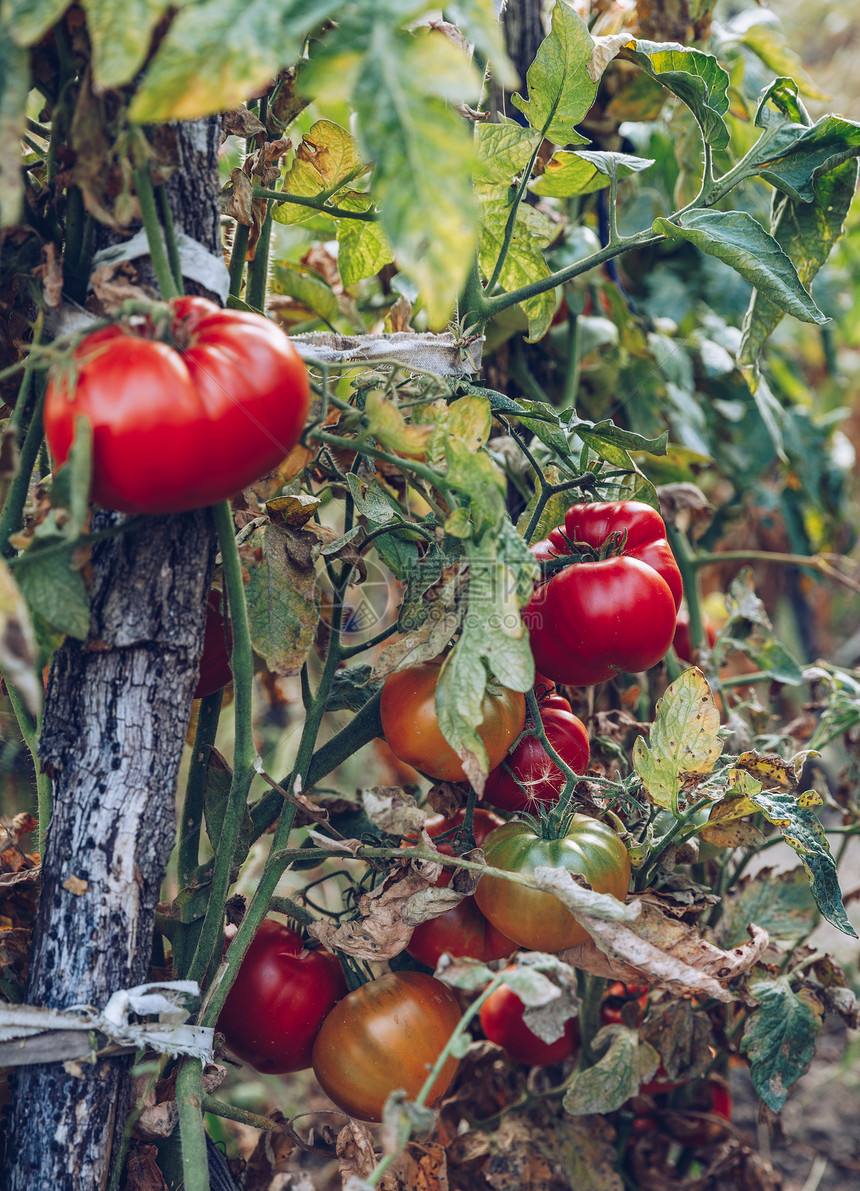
605,615
215,672
385,1035
411,727
186,421
502,1021
528,775
279,999
463,930
538,920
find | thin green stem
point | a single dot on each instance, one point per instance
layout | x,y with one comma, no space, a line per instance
350,651
571,378
317,204
433,477
17,418
613,202
154,236
512,217
170,236
258,269
86,539
192,807
244,752
12,514
237,258
189,1101
30,731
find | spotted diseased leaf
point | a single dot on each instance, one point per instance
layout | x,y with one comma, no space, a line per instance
281,595
561,89
570,173
217,53
779,902
684,742
362,245
694,76
737,239
389,427
779,1038
615,1077
120,36
415,139
327,157
792,815
681,1036
726,827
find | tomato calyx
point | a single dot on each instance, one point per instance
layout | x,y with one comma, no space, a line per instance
613,546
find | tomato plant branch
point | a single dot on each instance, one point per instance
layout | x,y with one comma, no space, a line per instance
244,753
163,200
154,236
258,268
12,514
86,539
430,474
192,807
31,731
512,215
189,1101
317,204
814,562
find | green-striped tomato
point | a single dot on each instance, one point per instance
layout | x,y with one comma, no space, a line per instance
538,920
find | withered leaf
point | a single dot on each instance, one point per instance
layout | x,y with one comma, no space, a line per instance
355,1153
380,933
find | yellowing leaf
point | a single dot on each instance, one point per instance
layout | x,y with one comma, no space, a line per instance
387,424
326,158
684,741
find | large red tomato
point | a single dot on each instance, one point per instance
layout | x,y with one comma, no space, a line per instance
540,921
528,775
182,421
463,930
411,727
502,1021
385,1035
605,614
279,999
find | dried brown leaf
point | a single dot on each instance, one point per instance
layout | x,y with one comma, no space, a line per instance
241,122
381,932
355,1152
142,1172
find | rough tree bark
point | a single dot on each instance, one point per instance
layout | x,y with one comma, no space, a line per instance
114,728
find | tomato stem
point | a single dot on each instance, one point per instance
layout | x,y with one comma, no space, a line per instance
192,808
154,235
189,1099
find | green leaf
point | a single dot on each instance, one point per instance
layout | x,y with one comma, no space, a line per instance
684,741
615,1077
695,77
29,20
779,1037
424,158
560,87
568,174
362,247
805,232
370,500
800,827
19,654
493,633
326,159
601,436
217,53
773,658
55,592
780,903
14,88
737,239
478,21
479,478
120,36
791,157
768,43
283,608
309,288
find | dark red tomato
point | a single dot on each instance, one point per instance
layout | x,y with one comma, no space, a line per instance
215,670
605,615
385,1035
411,726
534,919
463,931
184,420
502,1021
623,1004
528,775
681,641
279,1000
